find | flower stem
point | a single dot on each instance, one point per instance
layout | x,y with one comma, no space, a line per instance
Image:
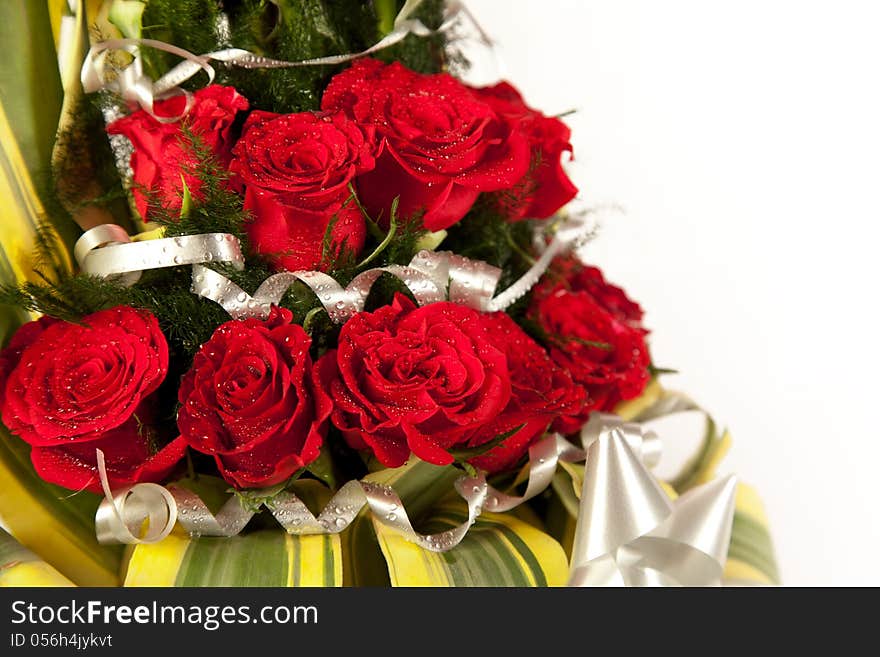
392,229
307,322
386,11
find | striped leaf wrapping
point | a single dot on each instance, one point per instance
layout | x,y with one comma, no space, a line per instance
54,523
21,567
269,557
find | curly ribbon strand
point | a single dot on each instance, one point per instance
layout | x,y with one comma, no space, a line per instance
121,515
292,514
431,276
107,250
628,531
139,90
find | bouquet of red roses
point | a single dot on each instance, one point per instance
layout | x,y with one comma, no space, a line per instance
326,323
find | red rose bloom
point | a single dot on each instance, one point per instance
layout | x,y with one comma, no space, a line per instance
570,274
129,457
605,355
440,144
545,187
296,170
541,391
73,382
71,388
251,399
160,154
420,380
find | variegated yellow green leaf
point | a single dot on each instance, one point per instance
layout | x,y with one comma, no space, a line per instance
418,484
51,521
20,567
30,83
751,557
267,557
498,550
55,523
702,466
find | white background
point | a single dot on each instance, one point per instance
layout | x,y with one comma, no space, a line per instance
742,139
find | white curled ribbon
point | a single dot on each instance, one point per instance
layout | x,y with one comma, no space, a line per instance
107,251
138,89
293,515
628,531
431,276
384,504
122,515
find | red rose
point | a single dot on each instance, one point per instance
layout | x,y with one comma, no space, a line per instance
129,457
569,273
71,388
545,187
541,391
420,380
440,144
251,400
74,382
161,155
296,170
605,355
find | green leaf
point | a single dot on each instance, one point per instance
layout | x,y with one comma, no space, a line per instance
186,200
751,558
498,550
701,467
127,16
30,83
55,523
20,567
269,557
479,450
419,485
322,468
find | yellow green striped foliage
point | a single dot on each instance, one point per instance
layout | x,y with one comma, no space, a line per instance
266,557
53,522
499,550
751,559
20,567
49,520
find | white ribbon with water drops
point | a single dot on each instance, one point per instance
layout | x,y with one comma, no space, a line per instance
138,90
107,251
628,531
